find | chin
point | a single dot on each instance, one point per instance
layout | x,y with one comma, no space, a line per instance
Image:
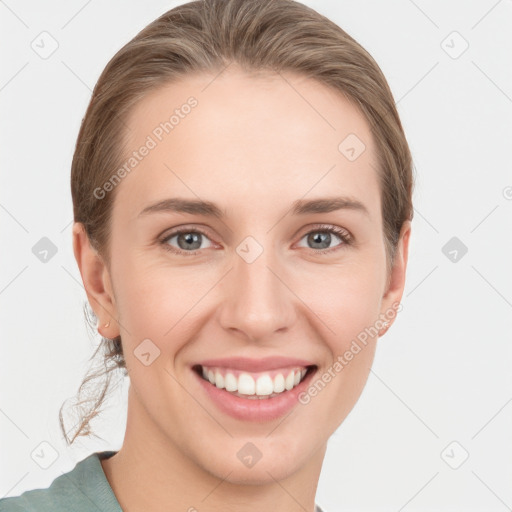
255,461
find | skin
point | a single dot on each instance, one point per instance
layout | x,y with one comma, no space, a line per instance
253,146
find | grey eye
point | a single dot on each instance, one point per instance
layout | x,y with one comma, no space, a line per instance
321,239
188,240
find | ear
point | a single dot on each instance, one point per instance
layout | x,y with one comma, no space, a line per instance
396,280
97,282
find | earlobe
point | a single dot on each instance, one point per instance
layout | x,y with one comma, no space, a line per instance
95,277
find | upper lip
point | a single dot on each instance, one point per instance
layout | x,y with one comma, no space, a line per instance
255,365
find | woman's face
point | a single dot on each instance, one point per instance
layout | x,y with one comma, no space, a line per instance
257,289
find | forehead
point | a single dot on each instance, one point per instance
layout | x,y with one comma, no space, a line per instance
240,137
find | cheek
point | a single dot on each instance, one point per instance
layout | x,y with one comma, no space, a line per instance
159,302
344,300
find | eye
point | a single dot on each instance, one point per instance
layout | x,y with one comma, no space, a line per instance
188,240
321,237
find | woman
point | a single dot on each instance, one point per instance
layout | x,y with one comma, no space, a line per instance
242,202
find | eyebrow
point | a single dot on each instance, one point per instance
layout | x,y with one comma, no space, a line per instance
299,207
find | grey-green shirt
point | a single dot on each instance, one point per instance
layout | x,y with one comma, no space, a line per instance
83,489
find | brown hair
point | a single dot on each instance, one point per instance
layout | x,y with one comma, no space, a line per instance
206,36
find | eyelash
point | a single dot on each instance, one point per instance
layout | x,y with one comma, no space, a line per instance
344,235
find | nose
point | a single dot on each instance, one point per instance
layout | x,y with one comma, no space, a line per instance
256,301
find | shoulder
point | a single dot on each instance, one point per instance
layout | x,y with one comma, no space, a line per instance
84,488
30,501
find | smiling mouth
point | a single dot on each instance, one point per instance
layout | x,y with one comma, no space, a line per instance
255,385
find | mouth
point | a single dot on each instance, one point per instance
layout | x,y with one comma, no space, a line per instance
262,385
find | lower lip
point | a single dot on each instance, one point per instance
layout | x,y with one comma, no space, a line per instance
259,410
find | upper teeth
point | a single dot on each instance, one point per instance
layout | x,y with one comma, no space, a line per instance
260,384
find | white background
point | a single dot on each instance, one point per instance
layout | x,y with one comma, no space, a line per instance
441,374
